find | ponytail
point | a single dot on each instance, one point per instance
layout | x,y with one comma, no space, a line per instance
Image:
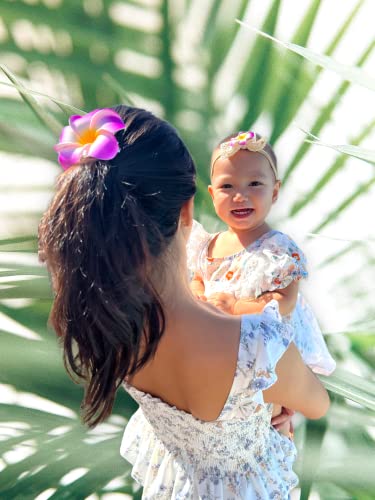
100,238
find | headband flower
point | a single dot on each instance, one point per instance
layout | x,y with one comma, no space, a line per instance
89,136
245,140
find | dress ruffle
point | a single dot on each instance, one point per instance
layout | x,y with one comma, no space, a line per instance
153,465
309,339
163,478
279,262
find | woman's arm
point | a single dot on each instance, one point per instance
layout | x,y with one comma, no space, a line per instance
297,387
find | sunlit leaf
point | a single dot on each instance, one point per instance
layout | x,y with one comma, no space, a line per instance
330,172
67,108
353,387
350,73
348,149
46,118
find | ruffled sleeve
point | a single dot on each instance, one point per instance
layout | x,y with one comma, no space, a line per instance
197,241
264,339
279,262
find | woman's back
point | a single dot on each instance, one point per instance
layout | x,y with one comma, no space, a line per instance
195,362
237,455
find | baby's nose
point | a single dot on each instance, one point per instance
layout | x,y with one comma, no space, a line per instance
240,196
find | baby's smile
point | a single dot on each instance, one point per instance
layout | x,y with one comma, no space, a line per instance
241,213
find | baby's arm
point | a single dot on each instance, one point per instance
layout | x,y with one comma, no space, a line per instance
286,297
197,285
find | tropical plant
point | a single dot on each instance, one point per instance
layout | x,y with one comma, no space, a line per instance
189,61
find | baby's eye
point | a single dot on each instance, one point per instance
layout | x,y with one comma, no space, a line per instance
255,183
226,186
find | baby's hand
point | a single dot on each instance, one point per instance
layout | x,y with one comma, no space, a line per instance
283,422
197,287
223,301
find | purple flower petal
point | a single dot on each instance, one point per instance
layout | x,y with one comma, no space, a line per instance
107,119
80,124
70,156
74,118
61,146
89,135
68,135
105,146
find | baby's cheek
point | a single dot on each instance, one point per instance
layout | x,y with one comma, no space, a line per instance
222,196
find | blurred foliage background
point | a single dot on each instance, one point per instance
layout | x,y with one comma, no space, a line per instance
191,63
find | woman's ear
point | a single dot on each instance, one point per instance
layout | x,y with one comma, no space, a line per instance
187,213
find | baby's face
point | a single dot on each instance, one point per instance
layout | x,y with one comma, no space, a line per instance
243,189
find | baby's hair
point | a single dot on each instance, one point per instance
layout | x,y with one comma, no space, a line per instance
267,148
105,226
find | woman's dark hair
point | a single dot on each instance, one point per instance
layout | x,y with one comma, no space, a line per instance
106,224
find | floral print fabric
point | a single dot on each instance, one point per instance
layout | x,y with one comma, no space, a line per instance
238,456
271,262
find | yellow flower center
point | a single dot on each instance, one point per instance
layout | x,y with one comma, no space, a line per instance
242,137
88,137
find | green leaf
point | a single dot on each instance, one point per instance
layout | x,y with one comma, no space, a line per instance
335,256
331,171
324,117
37,288
18,239
296,77
59,446
314,435
118,88
355,151
47,119
253,83
351,386
67,108
25,140
168,97
350,73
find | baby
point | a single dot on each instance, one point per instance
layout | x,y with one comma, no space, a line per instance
241,269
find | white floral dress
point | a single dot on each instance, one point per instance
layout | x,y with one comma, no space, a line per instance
238,456
271,262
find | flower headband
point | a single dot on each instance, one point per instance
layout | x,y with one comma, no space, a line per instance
89,136
244,140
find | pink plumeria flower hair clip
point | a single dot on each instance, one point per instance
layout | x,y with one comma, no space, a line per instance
245,140
91,136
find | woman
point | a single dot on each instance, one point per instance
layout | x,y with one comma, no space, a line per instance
114,239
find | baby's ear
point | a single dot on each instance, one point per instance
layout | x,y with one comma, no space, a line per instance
276,189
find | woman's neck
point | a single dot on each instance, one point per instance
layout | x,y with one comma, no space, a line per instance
172,284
